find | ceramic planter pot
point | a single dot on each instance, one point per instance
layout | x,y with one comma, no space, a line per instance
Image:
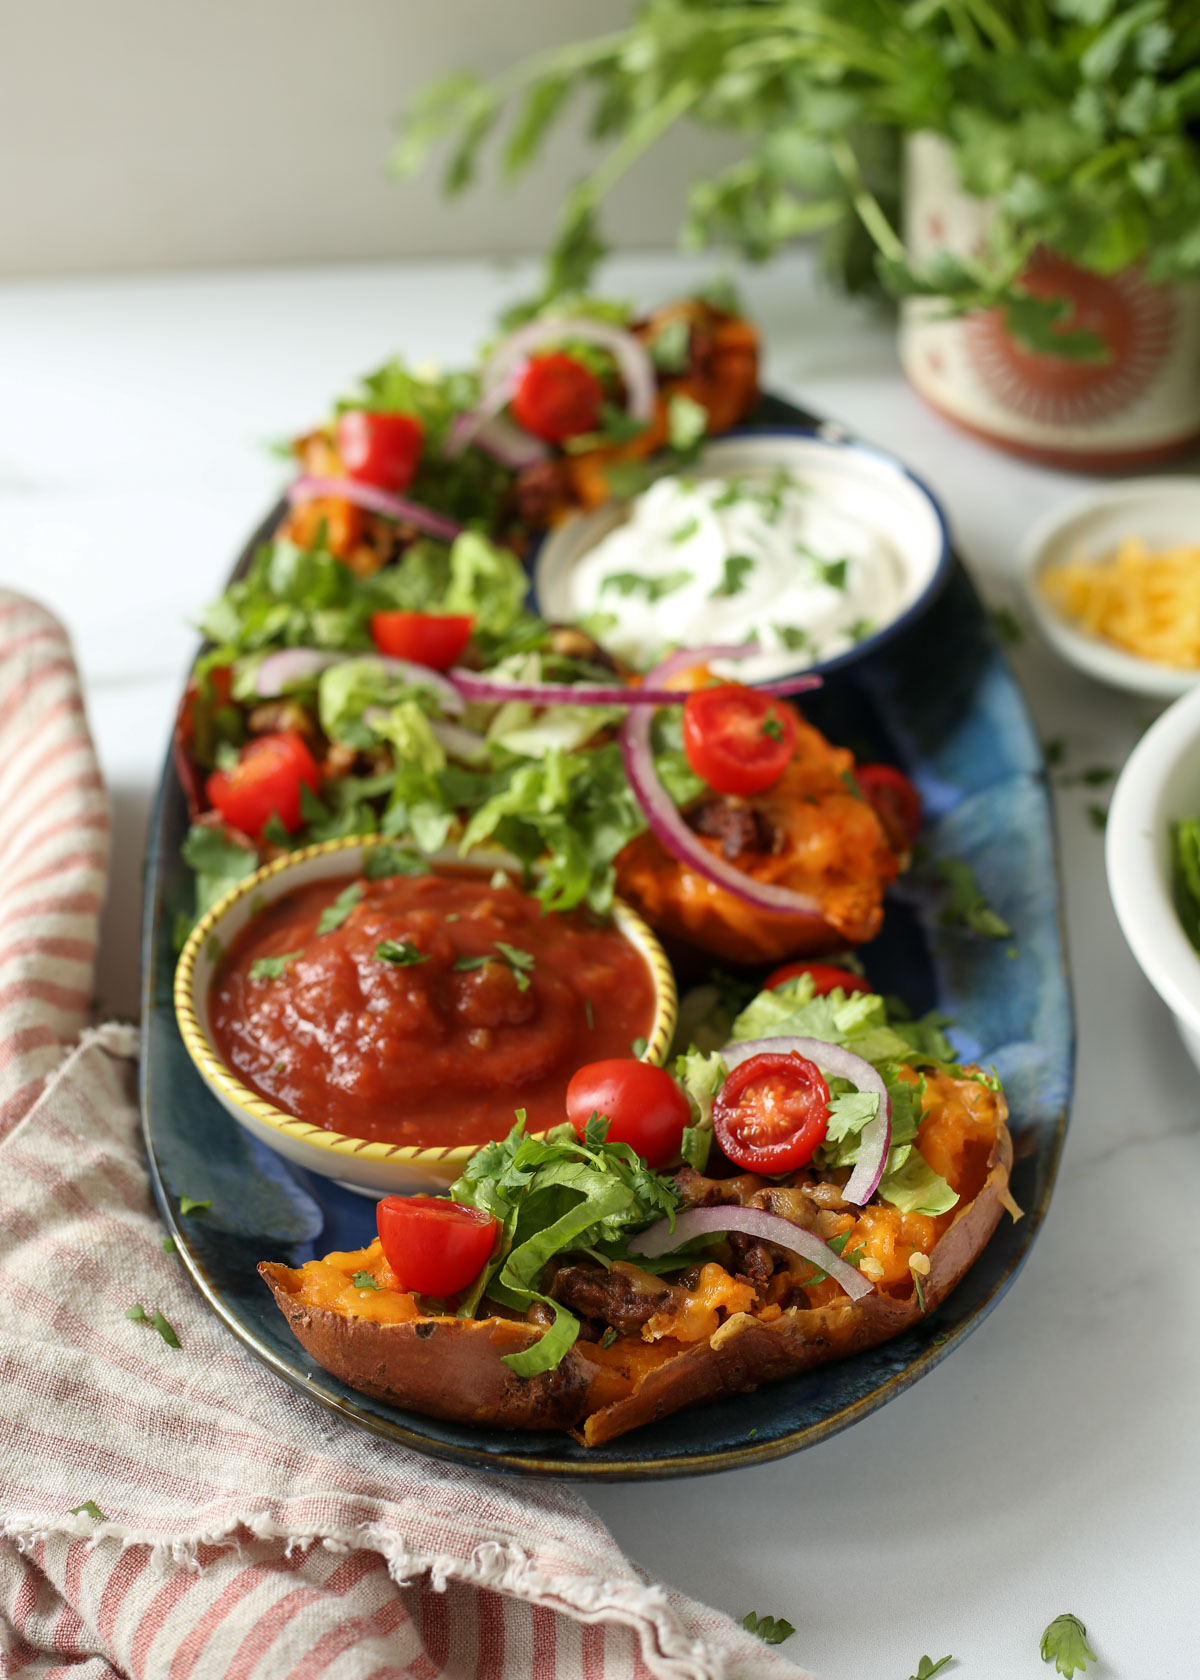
1139,405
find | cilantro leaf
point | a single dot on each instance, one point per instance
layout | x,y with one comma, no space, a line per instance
336,913
271,968
771,1630
217,862
168,1246
737,567
191,1204
686,531
653,588
967,907
89,1508
1065,1644
402,953
137,1314
365,1280
381,862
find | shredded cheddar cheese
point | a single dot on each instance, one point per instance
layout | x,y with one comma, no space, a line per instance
1142,600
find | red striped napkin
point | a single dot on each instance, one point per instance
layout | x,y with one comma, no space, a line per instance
178,1513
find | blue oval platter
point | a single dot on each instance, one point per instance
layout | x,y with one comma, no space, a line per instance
938,699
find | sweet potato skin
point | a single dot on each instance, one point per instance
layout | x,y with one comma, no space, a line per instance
452,1368
746,1352
449,1368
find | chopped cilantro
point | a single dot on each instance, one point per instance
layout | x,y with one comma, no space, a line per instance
851,781
365,1280
833,572
89,1508
192,1204
772,728
733,580
771,1630
942,1337
927,1668
381,861
608,1338
654,589
402,953
464,965
793,639
861,629
168,1245
271,968
1097,775
1065,1644
137,1314
638,1048
1054,752
1098,817
521,963
1007,625
336,913
275,832
967,907
686,531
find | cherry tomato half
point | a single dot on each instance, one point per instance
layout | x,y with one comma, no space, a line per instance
772,1113
557,398
433,639
265,782
643,1104
738,740
825,978
894,800
380,449
434,1246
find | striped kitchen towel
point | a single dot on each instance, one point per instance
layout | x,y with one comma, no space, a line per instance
178,1513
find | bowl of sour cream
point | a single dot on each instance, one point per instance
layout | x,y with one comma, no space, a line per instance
817,549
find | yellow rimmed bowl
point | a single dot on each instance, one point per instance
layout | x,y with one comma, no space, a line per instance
358,1163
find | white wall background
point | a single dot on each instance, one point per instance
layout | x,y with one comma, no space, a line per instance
163,133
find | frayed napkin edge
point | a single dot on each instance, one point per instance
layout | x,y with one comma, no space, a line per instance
667,1649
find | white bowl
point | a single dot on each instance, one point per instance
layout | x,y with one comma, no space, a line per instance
378,1169
1159,785
1163,512
872,487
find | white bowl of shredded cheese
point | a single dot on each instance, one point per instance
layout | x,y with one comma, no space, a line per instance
813,547
1113,580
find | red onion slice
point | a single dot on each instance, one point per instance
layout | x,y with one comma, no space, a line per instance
836,1059
477,686
368,496
505,442
662,814
754,1222
290,665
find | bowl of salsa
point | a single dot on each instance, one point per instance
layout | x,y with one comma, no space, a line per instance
375,1016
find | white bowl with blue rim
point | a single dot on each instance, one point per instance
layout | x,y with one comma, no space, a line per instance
863,503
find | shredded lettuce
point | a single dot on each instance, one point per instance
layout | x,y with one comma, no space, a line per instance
551,1195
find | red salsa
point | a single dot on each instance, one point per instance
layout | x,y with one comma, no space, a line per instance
434,1007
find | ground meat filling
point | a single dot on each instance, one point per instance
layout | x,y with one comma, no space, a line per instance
739,827
620,1296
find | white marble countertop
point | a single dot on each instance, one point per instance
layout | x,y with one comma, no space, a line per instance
1054,1463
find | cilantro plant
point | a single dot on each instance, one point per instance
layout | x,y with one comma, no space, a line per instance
1075,119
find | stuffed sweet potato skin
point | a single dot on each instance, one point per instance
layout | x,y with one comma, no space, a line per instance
809,833
452,1368
746,1352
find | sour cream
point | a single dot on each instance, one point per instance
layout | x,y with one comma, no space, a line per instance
735,559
